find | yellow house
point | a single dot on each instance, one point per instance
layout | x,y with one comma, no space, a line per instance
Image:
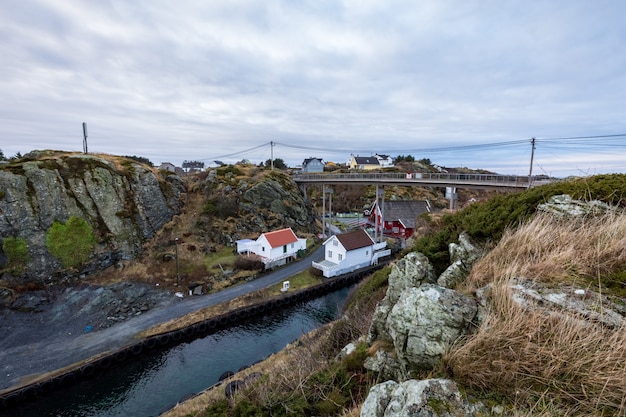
364,163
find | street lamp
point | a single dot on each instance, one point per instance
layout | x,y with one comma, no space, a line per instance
177,274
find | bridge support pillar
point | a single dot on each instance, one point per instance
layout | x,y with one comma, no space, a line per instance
452,196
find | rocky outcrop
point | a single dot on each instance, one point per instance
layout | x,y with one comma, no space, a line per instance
463,256
565,206
247,205
124,202
426,321
411,271
585,304
426,398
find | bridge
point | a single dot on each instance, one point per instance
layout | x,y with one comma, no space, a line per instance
450,181
482,181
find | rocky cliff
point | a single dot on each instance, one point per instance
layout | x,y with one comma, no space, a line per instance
124,202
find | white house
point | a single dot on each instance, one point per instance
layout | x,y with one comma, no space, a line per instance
348,252
384,160
273,248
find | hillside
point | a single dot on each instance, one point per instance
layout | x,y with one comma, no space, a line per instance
137,219
520,313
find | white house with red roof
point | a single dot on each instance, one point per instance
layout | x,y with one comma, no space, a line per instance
273,248
348,252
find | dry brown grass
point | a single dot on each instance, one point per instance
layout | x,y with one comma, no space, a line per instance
556,250
549,363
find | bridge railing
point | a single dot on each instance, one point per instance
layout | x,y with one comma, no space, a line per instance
507,180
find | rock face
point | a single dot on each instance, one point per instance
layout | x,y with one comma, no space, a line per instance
245,208
565,206
426,398
419,318
409,272
426,321
463,256
124,202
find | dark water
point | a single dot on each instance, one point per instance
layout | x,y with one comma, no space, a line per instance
155,382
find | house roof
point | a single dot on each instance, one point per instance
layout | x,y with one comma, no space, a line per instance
281,237
404,211
306,161
355,240
366,160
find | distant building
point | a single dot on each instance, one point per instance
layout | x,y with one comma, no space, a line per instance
348,252
273,248
384,160
364,163
313,165
167,166
399,217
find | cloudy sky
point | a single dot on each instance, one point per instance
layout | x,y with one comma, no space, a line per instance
463,83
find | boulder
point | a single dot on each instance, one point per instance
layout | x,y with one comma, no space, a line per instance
561,300
463,255
409,272
565,206
386,365
425,322
426,398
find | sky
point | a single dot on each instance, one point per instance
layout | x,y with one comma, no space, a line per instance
463,83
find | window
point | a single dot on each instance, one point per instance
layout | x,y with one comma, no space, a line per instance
262,248
335,243
340,257
292,246
367,252
330,253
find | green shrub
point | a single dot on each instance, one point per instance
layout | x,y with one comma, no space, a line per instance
16,250
488,220
72,242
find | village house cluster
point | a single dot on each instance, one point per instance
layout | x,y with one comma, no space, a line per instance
345,252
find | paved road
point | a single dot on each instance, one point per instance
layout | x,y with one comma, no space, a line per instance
56,353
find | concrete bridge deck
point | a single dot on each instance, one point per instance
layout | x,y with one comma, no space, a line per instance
483,181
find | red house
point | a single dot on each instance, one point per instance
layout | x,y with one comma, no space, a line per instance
399,217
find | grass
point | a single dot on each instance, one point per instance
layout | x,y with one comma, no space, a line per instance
299,281
554,363
224,257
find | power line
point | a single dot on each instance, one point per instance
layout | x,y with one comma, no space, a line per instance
569,143
238,153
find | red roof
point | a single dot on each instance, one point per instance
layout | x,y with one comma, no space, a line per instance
355,240
281,237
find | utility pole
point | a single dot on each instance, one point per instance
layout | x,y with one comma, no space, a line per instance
272,154
85,138
532,157
177,274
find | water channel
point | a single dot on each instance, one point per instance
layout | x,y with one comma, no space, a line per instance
154,383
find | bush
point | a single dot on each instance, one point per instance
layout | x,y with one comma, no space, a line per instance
72,242
247,264
489,220
16,249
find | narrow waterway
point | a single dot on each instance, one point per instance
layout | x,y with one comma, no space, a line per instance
154,383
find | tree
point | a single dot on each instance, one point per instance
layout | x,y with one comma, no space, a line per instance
2,158
72,242
278,163
405,158
141,159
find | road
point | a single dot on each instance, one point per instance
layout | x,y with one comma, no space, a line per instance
51,354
